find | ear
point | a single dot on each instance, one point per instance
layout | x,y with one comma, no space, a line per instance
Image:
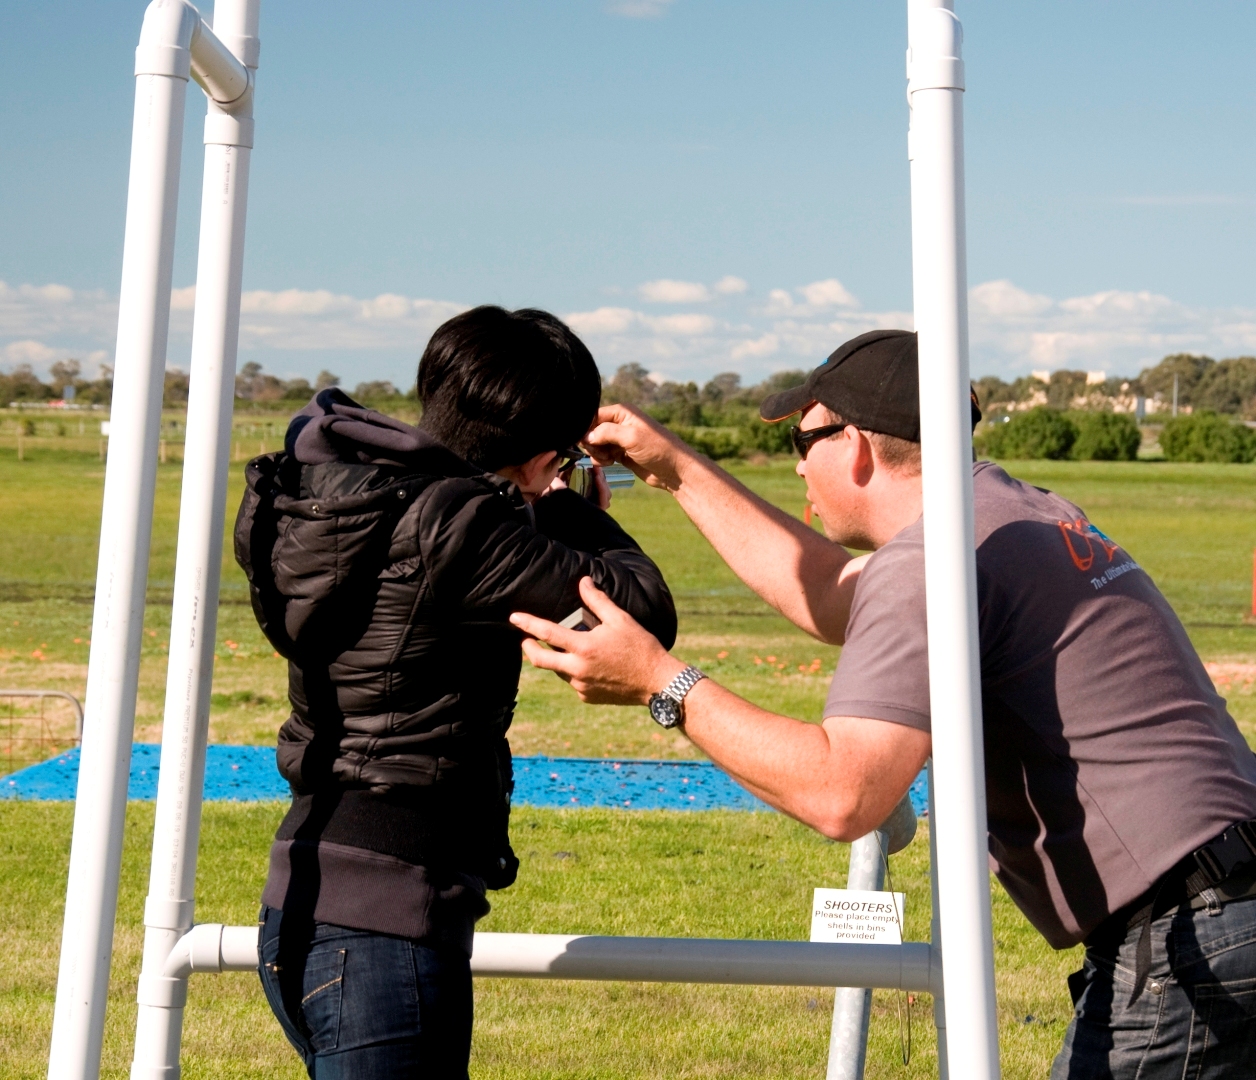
531,470
863,462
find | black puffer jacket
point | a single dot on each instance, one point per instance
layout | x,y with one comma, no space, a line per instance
384,568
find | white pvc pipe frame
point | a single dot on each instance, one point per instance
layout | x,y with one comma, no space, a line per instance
176,42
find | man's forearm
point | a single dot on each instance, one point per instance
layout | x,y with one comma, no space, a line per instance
842,778
794,568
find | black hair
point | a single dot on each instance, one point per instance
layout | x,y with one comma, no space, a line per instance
499,387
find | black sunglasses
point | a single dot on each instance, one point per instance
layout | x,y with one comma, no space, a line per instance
804,439
567,458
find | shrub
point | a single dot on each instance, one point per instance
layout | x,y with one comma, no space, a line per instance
1038,433
1205,436
716,443
770,438
1105,436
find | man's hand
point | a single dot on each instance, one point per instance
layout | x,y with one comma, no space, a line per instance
807,578
616,663
626,435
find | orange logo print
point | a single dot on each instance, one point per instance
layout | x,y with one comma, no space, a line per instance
1082,532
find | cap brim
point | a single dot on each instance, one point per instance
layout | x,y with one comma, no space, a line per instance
778,407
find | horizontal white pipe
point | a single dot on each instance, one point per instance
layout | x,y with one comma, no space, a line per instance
911,966
213,947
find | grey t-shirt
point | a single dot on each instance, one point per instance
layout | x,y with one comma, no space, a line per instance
1109,755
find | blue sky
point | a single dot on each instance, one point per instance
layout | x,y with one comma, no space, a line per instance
699,186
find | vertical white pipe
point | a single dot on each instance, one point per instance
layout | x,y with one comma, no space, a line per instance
162,66
852,1006
935,930
215,336
939,279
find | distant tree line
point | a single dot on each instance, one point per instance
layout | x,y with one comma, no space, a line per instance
1070,415
252,385
1043,432
720,419
1222,386
22,384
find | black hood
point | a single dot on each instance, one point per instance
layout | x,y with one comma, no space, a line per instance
335,428
318,518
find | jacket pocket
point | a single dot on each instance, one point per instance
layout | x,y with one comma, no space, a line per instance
320,1004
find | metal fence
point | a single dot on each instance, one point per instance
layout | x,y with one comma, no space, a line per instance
50,724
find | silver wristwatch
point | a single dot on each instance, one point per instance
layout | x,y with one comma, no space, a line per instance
668,705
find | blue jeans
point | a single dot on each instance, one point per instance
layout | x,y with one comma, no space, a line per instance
1196,1016
367,1006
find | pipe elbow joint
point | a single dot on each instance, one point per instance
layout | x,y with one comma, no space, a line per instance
935,53
217,70
200,949
175,41
165,46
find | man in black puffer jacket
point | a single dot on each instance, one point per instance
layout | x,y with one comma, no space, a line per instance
383,564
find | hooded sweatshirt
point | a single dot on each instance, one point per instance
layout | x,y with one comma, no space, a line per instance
384,568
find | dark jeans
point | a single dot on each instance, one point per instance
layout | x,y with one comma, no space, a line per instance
367,1006
1196,1016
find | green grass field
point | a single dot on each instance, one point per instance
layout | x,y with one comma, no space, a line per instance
710,874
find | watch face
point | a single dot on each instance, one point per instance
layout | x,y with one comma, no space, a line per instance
665,710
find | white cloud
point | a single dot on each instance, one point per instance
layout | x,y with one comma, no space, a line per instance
603,320
779,302
639,9
828,293
685,325
816,299
31,352
1002,299
295,302
1115,330
667,291
1012,330
756,348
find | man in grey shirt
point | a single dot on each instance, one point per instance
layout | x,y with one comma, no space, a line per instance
1121,796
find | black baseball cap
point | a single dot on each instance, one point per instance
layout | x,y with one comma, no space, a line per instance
872,382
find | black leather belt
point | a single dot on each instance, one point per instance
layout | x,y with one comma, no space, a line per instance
1222,870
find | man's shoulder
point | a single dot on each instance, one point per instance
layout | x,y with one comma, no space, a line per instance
1008,515
999,499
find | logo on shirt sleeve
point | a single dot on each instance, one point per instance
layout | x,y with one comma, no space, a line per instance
1085,543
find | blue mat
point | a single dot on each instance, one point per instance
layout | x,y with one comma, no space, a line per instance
248,774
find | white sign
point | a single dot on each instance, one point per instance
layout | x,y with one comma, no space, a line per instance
859,915
104,428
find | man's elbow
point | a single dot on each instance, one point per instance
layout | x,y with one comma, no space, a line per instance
834,818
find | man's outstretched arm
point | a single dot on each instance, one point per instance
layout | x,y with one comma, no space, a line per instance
806,577
842,777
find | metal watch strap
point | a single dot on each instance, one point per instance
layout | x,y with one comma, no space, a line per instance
682,684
